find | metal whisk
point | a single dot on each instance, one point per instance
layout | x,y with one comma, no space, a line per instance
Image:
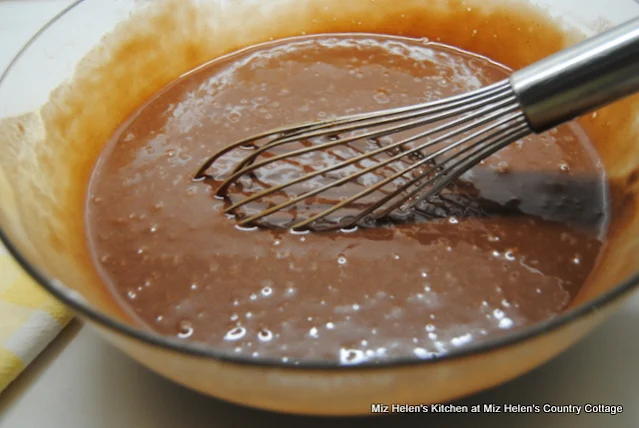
391,160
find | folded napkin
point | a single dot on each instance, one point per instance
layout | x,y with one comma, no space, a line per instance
29,319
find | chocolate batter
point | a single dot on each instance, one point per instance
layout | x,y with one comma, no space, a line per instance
511,251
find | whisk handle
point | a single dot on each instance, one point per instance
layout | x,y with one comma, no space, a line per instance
580,79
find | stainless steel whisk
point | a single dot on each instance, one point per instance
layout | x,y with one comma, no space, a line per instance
457,133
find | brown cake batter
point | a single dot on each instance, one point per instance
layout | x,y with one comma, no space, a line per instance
512,252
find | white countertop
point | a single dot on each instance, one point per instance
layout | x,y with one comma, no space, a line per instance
82,382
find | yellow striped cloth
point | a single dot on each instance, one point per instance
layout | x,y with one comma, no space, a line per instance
29,319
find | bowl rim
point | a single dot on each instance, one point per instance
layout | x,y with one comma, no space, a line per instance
72,300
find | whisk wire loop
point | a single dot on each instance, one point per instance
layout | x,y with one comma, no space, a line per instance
462,129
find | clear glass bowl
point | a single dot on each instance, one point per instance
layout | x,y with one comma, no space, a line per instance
71,86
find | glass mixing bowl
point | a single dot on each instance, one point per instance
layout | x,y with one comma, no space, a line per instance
80,76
